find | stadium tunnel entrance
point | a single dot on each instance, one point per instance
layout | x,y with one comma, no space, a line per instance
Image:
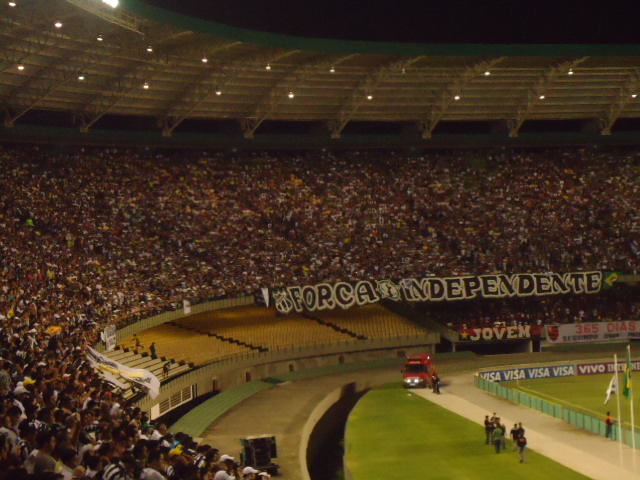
325,450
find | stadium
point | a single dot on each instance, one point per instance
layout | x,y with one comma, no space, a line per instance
226,227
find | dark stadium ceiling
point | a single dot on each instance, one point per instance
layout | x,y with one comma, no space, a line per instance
141,61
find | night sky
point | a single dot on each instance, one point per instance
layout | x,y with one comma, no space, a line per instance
447,21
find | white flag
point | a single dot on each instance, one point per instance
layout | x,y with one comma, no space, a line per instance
613,388
136,375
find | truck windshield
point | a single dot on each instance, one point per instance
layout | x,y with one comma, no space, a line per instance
415,368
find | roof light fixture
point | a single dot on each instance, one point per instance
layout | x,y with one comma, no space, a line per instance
111,3
145,86
149,49
570,72
456,98
12,4
99,37
291,95
20,66
58,24
81,77
218,91
634,95
332,69
404,72
369,97
268,66
542,97
487,73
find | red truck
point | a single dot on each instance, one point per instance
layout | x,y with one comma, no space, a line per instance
418,371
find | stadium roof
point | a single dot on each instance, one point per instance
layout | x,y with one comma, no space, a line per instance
143,61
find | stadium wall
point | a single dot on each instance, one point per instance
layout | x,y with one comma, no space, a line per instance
33,134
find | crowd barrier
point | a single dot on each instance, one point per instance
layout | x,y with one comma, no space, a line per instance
580,420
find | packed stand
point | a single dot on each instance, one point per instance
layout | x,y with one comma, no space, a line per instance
100,236
107,234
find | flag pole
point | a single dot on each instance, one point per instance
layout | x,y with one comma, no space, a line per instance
633,425
615,369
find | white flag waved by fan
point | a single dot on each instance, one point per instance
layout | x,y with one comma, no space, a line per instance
613,388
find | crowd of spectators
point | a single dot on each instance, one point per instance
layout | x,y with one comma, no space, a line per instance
90,237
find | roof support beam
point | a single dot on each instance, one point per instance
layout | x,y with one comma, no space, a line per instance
537,91
448,93
124,87
128,79
176,102
620,101
277,93
199,91
45,81
10,119
20,48
366,87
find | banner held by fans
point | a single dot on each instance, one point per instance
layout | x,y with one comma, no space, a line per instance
113,369
327,296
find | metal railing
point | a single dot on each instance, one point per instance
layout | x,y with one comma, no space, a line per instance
580,420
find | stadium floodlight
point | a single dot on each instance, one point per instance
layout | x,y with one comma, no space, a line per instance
106,9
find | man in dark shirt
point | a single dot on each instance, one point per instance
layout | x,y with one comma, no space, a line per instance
514,436
488,429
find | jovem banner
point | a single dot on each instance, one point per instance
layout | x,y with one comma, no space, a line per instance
327,296
486,334
593,332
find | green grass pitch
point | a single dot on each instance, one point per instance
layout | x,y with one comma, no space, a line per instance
583,393
393,433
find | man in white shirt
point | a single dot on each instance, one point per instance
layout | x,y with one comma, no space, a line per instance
227,467
154,469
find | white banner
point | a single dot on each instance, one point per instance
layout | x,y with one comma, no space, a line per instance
327,296
113,369
593,332
110,337
186,304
